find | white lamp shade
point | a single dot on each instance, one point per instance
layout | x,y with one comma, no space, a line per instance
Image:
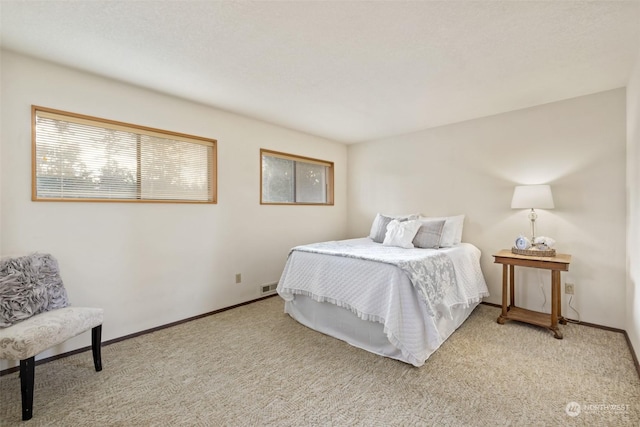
532,197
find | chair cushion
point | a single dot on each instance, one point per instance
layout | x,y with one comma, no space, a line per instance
36,334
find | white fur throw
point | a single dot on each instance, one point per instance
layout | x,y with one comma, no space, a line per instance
29,285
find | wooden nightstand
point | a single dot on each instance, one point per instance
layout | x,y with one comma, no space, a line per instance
556,264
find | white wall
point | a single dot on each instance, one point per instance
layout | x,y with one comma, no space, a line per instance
1,115
577,146
633,208
152,264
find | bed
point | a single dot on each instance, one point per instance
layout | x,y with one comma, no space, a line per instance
397,302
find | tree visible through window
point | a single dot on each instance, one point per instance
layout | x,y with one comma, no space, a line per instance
78,157
290,179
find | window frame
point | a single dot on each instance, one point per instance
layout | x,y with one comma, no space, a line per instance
303,159
127,127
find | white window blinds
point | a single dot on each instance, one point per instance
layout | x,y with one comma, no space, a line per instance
82,158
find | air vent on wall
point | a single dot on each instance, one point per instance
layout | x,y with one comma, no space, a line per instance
268,288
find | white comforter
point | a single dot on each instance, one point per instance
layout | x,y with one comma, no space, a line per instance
380,291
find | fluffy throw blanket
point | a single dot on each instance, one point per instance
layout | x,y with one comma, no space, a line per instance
29,285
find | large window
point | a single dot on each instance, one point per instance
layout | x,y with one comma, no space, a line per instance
290,179
82,158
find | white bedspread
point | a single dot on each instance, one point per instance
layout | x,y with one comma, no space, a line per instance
431,272
381,292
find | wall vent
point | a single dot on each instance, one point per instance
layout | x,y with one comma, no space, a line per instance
268,288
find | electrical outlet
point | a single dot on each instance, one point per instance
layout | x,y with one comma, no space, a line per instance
238,278
568,288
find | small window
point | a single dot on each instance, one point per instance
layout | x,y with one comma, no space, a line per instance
295,180
82,158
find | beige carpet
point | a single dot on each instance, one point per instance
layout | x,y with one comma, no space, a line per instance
254,366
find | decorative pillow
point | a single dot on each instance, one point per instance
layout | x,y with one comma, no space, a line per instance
29,285
452,231
380,222
429,234
379,227
401,233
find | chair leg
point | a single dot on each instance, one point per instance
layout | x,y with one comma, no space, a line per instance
96,343
27,371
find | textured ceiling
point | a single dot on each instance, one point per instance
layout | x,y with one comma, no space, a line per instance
348,70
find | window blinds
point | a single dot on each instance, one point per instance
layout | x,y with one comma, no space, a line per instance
290,179
81,158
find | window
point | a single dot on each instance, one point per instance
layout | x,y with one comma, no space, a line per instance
289,179
84,158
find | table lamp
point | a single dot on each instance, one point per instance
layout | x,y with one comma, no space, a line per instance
532,197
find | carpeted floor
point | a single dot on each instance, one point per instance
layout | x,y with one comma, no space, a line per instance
254,366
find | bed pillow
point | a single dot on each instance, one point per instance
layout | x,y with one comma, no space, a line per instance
379,228
380,222
429,234
452,231
401,233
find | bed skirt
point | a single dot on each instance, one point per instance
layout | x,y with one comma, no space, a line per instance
345,325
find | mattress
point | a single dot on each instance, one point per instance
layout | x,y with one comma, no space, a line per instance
373,303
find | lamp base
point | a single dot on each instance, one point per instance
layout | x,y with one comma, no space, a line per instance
532,217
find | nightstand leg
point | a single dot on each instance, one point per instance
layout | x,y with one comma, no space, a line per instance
502,316
561,319
512,293
555,303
